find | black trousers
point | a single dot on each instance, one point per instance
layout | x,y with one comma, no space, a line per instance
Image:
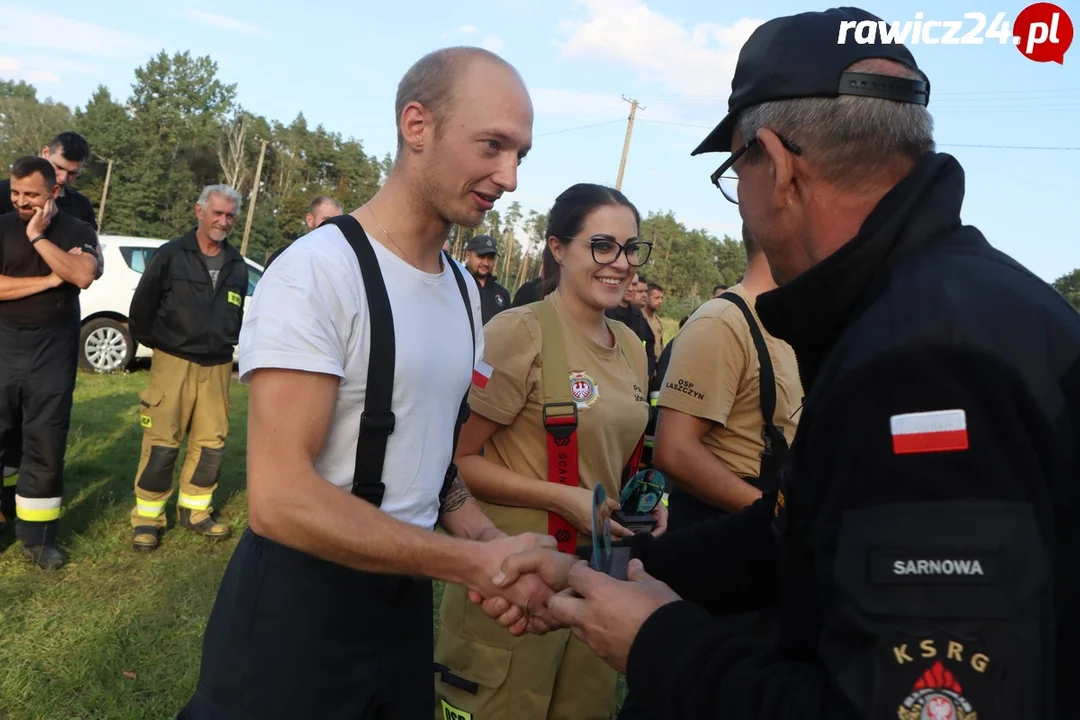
37,380
293,636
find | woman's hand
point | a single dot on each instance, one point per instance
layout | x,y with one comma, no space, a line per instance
575,504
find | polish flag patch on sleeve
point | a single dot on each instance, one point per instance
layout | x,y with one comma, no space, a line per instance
926,432
481,374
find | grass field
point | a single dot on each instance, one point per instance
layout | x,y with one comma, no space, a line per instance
116,634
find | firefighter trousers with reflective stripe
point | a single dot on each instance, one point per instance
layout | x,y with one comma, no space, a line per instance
37,379
182,398
294,636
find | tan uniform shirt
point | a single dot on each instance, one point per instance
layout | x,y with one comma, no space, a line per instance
714,374
657,331
610,392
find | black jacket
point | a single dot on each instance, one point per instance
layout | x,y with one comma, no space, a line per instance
494,298
635,319
528,293
870,550
176,309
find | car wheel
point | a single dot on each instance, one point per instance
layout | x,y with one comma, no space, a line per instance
105,346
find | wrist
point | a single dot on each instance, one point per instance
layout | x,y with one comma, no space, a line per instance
490,533
559,499
34,237
464,565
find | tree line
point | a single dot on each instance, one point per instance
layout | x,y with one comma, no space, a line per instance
183,127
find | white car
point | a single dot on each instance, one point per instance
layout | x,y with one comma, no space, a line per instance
105,343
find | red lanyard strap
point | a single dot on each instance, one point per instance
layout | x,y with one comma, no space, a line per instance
562,453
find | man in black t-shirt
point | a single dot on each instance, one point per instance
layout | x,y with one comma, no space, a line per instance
68,153
46,257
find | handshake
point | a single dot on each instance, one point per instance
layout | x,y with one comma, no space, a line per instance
531,587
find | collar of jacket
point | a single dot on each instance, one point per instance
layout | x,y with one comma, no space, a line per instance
810,311
190,242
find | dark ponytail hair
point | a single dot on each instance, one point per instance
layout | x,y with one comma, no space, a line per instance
567,217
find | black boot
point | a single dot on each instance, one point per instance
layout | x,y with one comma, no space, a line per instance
47,557
208,526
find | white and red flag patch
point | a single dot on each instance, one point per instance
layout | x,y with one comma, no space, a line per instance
481,374
924,432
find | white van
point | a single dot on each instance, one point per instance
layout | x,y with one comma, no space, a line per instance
105,344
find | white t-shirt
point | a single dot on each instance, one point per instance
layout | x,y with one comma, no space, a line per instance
310,312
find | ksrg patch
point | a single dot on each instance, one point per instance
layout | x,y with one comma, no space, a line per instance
935,677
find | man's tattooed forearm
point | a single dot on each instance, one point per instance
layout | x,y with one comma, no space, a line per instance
455,496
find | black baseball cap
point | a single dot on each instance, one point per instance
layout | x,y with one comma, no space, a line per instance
801,56
483,245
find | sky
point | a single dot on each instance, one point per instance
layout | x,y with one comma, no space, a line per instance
338,62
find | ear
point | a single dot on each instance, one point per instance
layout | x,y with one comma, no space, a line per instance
415,122
45,153
783,163
556,249
55,191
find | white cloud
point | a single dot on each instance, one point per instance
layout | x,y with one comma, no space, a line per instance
467,29
36,72
24,28
690,60
223,22
40,77
494,43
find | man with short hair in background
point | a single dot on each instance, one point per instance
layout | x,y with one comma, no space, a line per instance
629,313
321,208
68,153
46,258
720,290
188,307
654,298
712,438
480,254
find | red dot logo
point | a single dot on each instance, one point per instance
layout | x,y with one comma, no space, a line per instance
1043,32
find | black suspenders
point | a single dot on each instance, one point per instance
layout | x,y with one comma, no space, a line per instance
377,420
776,447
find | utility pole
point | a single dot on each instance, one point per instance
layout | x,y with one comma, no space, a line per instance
104,196
634,105
254,194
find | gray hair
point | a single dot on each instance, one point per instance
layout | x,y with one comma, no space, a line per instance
850,136
432,79
224,191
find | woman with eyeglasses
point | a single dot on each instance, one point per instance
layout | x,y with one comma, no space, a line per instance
505,448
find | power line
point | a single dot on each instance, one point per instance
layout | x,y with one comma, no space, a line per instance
989,147
579,127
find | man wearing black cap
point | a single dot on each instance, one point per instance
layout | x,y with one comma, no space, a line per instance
923,546
480,254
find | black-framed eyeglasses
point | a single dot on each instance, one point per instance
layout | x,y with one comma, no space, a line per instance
605,250
729,184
